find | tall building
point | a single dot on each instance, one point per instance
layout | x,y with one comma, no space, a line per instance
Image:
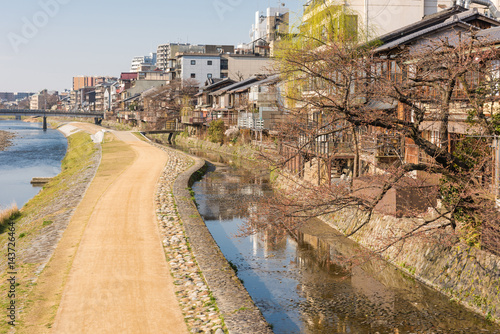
166,52
82,81
144,63
89,81
38,101
266,31
268,27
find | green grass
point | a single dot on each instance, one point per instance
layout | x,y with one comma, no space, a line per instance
29,223
8,215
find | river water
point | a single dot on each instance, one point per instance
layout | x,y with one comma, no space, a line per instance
297,282
34,153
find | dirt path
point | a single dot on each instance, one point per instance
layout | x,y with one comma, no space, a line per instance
118,281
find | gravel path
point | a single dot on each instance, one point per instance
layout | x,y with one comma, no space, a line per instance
5,139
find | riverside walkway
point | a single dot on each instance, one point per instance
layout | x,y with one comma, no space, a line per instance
136,256
110,261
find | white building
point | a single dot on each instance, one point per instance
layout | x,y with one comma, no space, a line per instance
378,17
38,101
263,27
168,51
143,63
198,67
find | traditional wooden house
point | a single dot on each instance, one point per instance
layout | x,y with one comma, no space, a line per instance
230,99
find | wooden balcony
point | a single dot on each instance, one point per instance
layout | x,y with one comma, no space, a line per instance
193,120
383,145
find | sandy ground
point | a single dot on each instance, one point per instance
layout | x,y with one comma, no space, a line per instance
109,270
5,139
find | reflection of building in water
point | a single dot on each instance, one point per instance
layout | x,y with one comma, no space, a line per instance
229,196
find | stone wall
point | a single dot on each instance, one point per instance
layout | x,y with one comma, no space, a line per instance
240,313
468,275
237,150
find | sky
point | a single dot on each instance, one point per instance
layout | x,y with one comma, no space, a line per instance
44,43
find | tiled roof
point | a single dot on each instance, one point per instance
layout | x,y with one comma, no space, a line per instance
442,20
492,34
458,19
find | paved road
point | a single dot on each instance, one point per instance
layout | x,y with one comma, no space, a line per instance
119,281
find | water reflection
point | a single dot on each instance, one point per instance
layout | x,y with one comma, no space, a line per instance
300,284
34,153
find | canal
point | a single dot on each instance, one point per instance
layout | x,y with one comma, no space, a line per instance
298,283
33,153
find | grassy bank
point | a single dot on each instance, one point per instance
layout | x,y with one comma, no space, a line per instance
36,217
8,215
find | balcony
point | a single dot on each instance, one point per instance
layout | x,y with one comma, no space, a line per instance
382,145
263,98
193,120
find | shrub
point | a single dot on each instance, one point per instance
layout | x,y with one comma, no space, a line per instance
216,131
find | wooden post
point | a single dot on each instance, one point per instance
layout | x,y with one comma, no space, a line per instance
44,125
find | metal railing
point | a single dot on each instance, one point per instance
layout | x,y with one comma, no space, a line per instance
249,121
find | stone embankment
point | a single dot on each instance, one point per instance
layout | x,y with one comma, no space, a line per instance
5,139
466,274
211,296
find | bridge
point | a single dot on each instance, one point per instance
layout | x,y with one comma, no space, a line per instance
46,113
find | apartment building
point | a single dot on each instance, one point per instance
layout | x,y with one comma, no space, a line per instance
379,17
144,63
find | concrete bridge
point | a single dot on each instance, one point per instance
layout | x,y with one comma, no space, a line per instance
46,113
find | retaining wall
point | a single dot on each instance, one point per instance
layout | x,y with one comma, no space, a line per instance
466,274
237,307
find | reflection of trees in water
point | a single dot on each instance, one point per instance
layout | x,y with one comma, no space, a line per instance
372,296
338,297
229,196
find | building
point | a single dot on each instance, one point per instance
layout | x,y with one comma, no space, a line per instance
198,67
379,17
244,66
89,81
38,101
7,96
266,30
167,52
105,95
143,63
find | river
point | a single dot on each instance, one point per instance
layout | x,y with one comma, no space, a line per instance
299,285
34,153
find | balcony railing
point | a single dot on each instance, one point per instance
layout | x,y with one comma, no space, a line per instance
190,119
250,121
382,145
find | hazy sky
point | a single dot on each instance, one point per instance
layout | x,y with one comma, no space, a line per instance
44,43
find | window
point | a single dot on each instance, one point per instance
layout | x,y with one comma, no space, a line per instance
193,62
224,64
193,75
209,62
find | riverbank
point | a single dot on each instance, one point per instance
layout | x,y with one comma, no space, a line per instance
207,287
42,222
467,275
5,139
41,268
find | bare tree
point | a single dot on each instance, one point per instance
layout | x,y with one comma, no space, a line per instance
391,116
165,104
